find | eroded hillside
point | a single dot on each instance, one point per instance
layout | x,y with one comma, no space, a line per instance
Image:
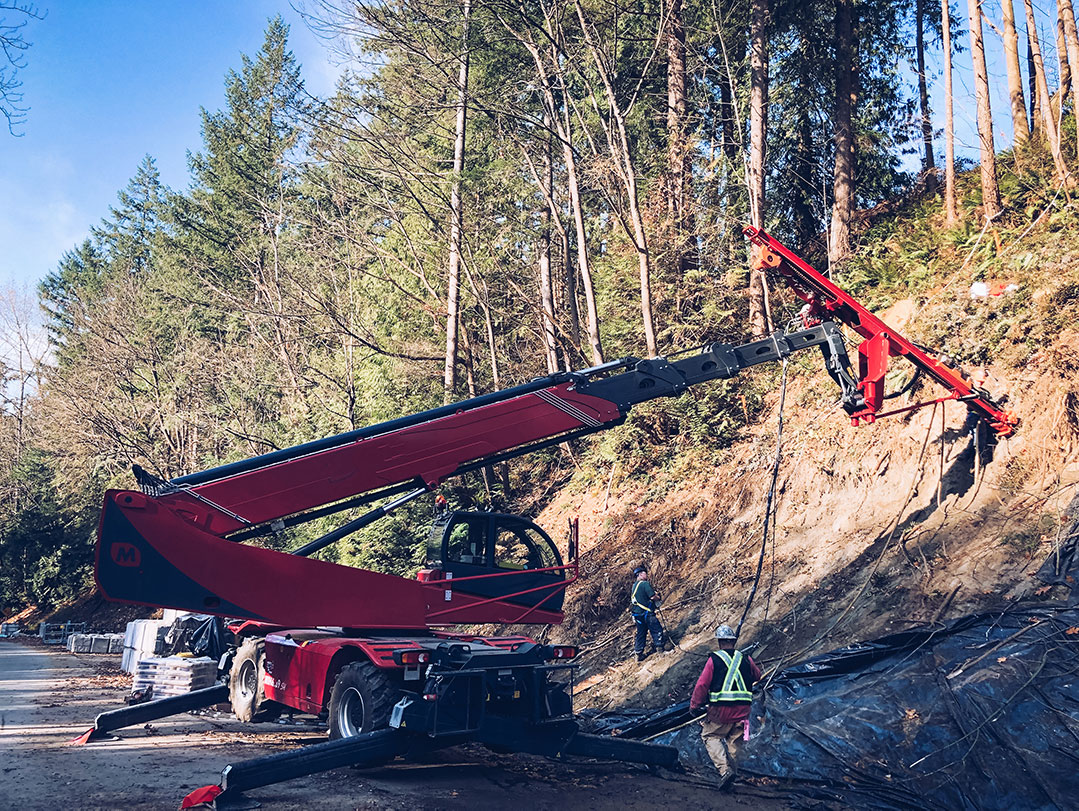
911,520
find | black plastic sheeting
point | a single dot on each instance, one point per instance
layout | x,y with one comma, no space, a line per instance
197,634
1062,566
982,713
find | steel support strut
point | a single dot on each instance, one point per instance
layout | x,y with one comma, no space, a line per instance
152,710
371,748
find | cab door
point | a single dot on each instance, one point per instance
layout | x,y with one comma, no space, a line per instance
521,563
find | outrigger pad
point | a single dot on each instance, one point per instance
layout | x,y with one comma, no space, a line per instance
84,738
201,797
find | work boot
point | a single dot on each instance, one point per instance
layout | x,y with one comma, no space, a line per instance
642,656
668,645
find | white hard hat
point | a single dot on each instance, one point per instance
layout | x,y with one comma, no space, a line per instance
725,632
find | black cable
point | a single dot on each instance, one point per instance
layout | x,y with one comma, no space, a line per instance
768,503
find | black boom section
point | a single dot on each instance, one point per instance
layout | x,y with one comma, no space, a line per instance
660,377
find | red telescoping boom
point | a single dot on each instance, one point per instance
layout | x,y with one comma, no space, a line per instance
178,543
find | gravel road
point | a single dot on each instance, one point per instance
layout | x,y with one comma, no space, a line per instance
48,697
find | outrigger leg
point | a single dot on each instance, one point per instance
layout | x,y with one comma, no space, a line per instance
152,710
373,748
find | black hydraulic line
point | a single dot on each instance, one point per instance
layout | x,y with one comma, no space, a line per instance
768,522
646,380
357,524
159,708
308,448
369,747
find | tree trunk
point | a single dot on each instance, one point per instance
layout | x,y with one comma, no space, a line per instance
573,184
449,380
990,190
758,137
1052,134
550,348
622,156
928,162
560,117
678,162
569,277
731,147
1064,64
1071,39
806,225
951,214
843,177
1032,86
1020,128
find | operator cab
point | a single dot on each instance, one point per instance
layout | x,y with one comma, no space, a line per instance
469,544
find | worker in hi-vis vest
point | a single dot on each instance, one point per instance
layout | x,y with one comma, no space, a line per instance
725,688
643,602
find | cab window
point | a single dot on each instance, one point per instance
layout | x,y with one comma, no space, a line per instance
467,543
523,548
543,555
512,550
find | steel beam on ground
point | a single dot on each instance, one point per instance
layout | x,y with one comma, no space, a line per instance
370,747
607,748
159,708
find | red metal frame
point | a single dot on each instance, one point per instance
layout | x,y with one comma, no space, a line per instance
428,452
828,301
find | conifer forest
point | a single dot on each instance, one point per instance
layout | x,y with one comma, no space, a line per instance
496,191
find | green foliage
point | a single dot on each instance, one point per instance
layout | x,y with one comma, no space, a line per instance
46,545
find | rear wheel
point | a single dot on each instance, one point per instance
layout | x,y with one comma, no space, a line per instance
249,701
361,700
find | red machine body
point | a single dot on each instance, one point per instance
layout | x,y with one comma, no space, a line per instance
302,664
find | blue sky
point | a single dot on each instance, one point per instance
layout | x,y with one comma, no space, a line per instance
107,83
110,81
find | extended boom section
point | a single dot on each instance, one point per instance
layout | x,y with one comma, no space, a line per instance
174,545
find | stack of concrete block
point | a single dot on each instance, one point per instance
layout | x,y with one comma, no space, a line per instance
174,675
96,643
9,629
143,638
56,633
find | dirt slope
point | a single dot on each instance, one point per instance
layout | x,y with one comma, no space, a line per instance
876,527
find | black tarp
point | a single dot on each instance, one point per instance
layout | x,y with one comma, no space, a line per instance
982,713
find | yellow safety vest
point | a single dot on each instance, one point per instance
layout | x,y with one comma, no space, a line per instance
633,597
733,687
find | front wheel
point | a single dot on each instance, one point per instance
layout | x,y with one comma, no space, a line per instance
248,671
361,700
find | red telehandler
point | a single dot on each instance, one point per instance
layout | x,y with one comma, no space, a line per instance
373,653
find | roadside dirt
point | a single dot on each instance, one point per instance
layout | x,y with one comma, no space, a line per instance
48,697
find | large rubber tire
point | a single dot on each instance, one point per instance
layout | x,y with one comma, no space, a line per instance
249,702
361,700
